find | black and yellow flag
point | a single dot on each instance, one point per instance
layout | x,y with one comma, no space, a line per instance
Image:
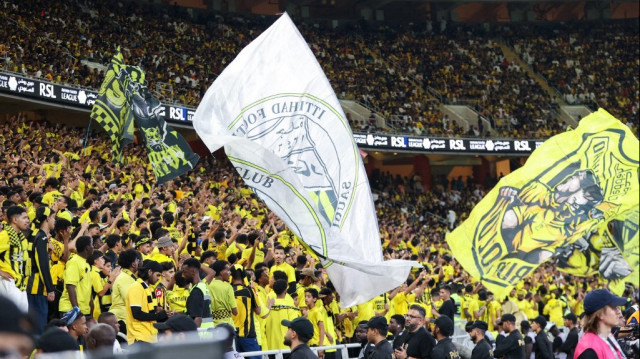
572,185
111,109
169,154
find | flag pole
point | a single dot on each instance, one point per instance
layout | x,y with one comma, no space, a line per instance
86,137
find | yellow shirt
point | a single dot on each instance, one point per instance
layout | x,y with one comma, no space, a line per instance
119,292
246,254
223,300
50,197
177,299
77,272
282,309
141,295
315,316
285,267
160,258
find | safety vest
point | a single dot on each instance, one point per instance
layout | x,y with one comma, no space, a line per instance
207,318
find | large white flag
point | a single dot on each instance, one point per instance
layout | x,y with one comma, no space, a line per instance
282,126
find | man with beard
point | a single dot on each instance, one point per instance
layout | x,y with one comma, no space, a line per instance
511,347
482,349
416,342
299,333
442,331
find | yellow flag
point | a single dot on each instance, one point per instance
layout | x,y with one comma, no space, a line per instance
574,183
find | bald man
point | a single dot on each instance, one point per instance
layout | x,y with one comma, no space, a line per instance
101,337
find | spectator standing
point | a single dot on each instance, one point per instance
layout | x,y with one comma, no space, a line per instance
246,340
40,289
396,328
199,301
377,335
129,262
13,257
448,306
282,309
223,302
542,346
141,305
77,279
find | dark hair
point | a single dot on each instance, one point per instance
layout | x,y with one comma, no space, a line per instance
207,254
279,286
301,260
237,273
447,288
112,240
419,309
51,182
61,224
40,215
104,315
149,265
192,263
82,243
400,319
218,266
128,257
277,275
168,218
219,235
95,256
121,222
312,291
167,266
181,281
15,211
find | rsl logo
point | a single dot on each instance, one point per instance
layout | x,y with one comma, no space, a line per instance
301,130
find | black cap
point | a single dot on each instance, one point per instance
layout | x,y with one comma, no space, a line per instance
55,340
508,318
302,326
445,324
378,322
178,323
325,292
542,321
480,325
599,298
572,317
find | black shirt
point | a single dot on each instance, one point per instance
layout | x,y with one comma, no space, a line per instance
420,343
448,308
570,344
382,350
482,350
511,347
445,350
302,351
195,303
542,346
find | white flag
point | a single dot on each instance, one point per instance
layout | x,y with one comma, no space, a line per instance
282,126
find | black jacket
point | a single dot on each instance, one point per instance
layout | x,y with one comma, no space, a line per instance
382,350
570,344
511,347
420,343
445,349
482,350
302,351
542,347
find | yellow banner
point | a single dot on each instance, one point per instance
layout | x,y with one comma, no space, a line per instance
574,183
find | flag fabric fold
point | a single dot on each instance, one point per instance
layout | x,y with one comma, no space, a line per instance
111,110
124,99
570,187
282,127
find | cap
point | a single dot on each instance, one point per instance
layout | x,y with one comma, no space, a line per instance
508,318
13,320
71,316
55,340
599,298
480,325
325,292
112,186
178,323
521,292
572,317
142,241
378,322
542,321
164,242
445,324
300,325
309,272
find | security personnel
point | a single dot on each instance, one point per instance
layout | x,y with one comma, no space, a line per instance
542,346
442,331
482,350
511,347
199,301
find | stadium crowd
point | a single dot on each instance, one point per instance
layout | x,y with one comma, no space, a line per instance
100,251
393,70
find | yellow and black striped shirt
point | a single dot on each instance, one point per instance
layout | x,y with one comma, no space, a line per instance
40,281
14,258
246,302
